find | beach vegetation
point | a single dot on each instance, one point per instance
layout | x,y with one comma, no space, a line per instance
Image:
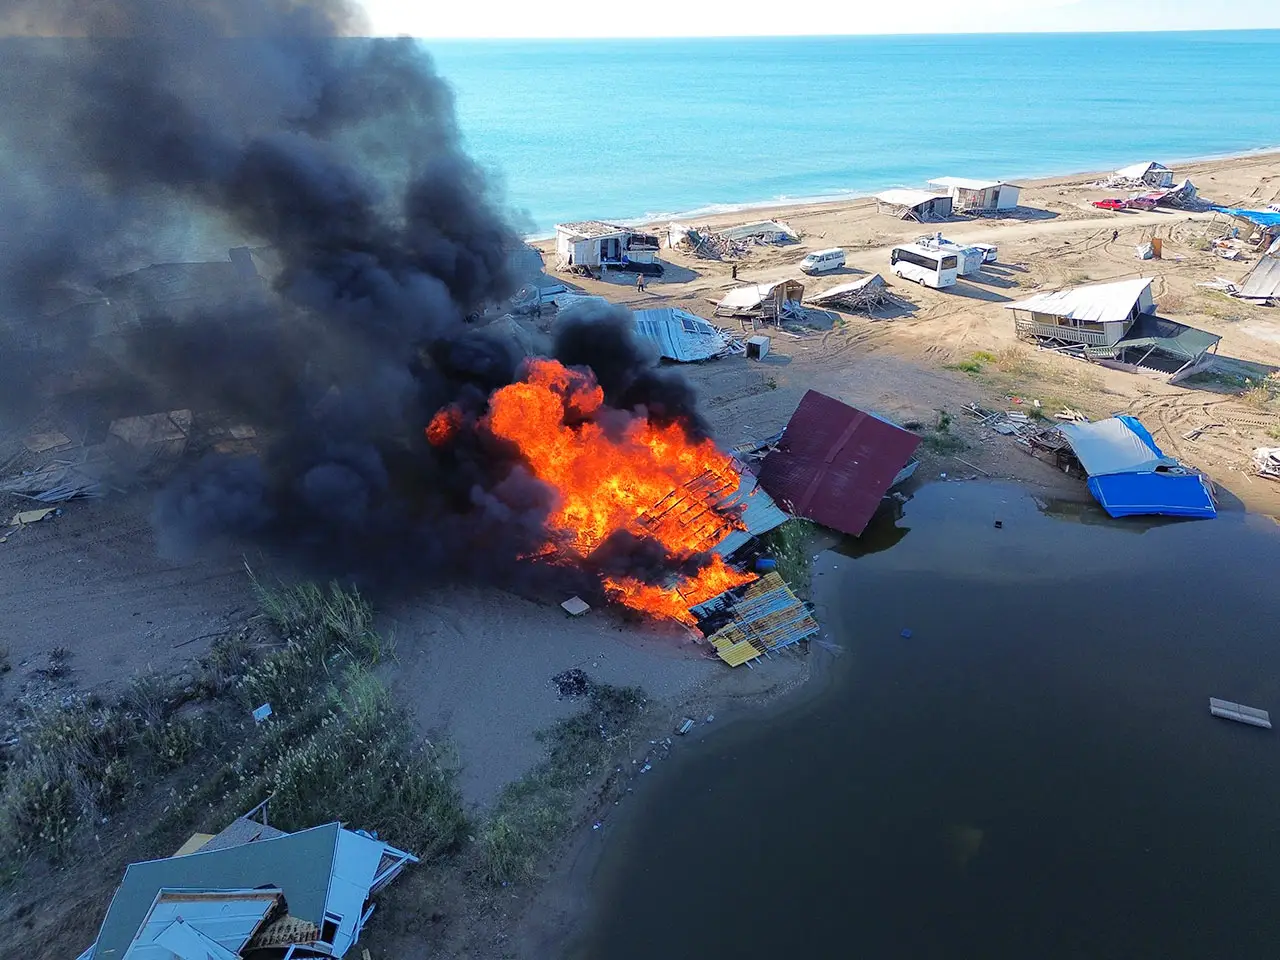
531,813
790,546
334,747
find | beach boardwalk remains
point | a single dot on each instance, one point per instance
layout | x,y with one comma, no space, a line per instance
834,463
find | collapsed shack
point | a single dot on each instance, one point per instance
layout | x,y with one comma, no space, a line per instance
866,295
923,206
764,302
729,243
1264,225
250,891
756,620
1139,175
1266,461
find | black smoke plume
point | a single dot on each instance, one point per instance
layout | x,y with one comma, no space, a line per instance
134,129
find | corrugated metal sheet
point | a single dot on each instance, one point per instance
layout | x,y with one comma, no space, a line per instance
874,281
761,514
1263,281
768,616
834,463
909,198
762,228
1093,303
679,335
226,917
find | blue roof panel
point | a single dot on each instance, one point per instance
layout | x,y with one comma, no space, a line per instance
1163,494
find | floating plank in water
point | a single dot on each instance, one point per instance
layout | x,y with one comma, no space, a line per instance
1239,712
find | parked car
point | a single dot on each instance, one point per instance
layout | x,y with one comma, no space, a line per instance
1111,203
990,252
1141,203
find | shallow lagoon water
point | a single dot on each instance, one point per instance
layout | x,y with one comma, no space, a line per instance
1034,772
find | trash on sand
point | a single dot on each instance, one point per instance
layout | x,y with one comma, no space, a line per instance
32,516
710,717
575,606
906,634
572,683
685,726
999,524
646,768
261,713
596,825
757,347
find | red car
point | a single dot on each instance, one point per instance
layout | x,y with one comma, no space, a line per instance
1111,204
1141,203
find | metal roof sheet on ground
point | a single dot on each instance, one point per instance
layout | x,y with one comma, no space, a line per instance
767,616
1091,303
1169,336
1263,281
591,229
747,230
965,183
299,864
679,335
760,513
834,463
909,198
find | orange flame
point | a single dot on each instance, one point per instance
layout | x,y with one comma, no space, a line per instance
648,478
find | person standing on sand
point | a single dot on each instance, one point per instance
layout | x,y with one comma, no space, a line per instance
1115,235
639,283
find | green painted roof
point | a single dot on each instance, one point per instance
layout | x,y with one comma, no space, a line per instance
299,864
1168,335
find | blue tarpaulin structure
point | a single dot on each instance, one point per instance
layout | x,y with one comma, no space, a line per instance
1263,218
1130,475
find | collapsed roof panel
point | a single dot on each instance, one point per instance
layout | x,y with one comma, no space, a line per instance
835,463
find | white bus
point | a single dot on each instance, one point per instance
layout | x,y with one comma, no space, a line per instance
933,268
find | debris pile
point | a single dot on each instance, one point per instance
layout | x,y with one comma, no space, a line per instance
1266,461
862,296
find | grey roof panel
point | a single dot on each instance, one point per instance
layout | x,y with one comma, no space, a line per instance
299,864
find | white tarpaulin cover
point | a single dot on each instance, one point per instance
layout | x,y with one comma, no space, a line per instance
1110,446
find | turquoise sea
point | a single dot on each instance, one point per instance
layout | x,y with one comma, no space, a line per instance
623,129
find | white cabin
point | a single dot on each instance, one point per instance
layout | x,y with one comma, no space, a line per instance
593,243
1095,314
977,196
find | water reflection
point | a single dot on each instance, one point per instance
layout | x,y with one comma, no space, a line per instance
1033,772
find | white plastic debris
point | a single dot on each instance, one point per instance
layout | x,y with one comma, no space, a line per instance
575,606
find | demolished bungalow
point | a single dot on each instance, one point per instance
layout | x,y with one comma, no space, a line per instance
1265,224
251,890
766,301
1114,323
977,196
681,336
1150,174
924,206
755,621
834,463
1130,475
593,243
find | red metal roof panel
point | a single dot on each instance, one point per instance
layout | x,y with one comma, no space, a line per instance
834,463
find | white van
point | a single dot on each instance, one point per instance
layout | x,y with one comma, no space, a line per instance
932,267
822,261
990,253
